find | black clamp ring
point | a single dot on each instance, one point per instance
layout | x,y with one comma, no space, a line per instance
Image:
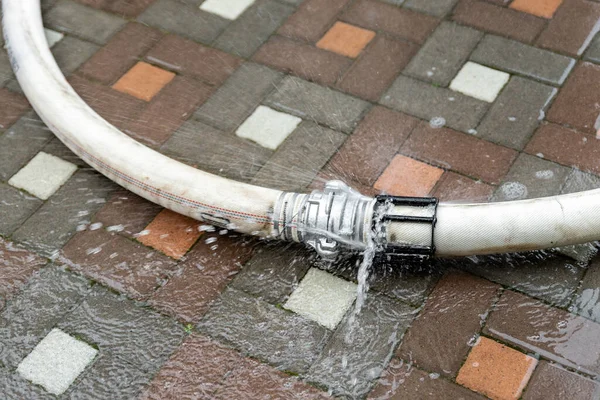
381,216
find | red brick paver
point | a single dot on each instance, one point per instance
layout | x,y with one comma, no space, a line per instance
312,19
345,39
171,233
407,177
16,267
12,106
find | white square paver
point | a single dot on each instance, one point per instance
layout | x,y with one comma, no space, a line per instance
480,82
229,9
322,297
43,175
268,127
56,361
53,37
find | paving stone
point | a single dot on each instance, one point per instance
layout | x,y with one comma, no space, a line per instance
439,339
71,52
531,177
126,213
121,53
214,151
309,101
574,104
478,81
500,20
444,53
496,370
312,19
171,233
545,276
376,69
566,146
117,262
322,297
382,132
303,60
16,387
437,8
457,151
358,351
377,16
563,35
17,266
211,264
541,8
557,336
43,175
582,253
274,271
69,207
229,9
401,380
298,160
13,106
587,301
552,382
27,318
243,37
56,361
18,206
109,377
143,81
186,57
235,100
578,181
426,101
345,39
85,22
182,19
407,177
267,127
5,69
292,342
453,187
168,110
252,379
514,57
410,285
52,37
512,119
137,335
129,8
592,54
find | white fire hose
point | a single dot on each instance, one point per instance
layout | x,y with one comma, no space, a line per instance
328,220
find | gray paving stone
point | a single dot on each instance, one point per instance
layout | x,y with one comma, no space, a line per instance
516,113
121,328
16,207
6,73
82,21
30,315
587,301
394,2
186,20
15,387
546,276
20,143
593,52
426,101
275,271
300,157
519,58
578,181
109,377
311,101
410,285
284,339
438,8
444,53
246,34
58,149
47,4
53,224
235,100
531,177
209,149
359,350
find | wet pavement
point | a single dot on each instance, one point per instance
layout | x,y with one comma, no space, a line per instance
105,295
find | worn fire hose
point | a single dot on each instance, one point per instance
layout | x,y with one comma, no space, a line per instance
332,220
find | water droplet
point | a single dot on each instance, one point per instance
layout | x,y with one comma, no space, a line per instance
437,122
545,174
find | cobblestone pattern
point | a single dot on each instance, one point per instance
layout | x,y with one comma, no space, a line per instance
177,310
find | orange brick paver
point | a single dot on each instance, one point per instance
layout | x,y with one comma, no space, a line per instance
541,8
407,177
496,370
143,81
171,233
347,40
